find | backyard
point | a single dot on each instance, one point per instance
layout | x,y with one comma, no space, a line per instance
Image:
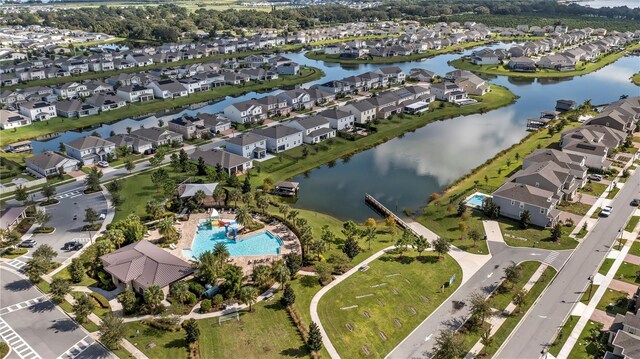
372,311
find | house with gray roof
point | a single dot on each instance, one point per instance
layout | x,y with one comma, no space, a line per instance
315,129
339,119
157,136
76,108
514,198
549,176
233,164
165,89
248,144
576,164
48,164
136,145
624,335
280,138
141,264
89,149
362,111
10,119
245,112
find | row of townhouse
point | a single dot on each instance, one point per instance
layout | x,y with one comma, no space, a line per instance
79,99
550,176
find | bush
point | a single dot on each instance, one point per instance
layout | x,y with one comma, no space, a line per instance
217,300
196,288
205,306
102,301
168,324
191,299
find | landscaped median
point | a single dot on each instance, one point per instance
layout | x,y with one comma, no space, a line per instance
584,68
293,162
59,124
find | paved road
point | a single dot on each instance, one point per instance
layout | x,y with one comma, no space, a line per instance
420,342
548,314
35,328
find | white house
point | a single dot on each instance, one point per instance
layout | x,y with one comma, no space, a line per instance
38,110
135,93
362,111
49,163
280,138
89,149
10,119
168,89
315,129
339,119
245,112
249,145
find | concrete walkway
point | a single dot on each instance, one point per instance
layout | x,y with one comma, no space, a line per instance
588,312
497,320
493,232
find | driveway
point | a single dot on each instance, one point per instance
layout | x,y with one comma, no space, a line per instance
34,327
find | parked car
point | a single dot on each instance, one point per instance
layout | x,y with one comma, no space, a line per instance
28,243
72,246
103,164
102,216
635,202
606,211
595,177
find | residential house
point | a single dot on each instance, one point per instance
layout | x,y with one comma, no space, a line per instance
245,112
49,163
522,64
449,92
157,136
386,105
90,149
106,102
232,163
574,163
216,123
165,89
38,110
75,108
274,105
280,138
338,118
315,129
624,334
141,264
422,75
189,127
549,176
297,99
248,144
135,93
320,97
514,198
10,119
135,144
362,111
393,74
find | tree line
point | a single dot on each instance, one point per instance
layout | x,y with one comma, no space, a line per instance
167,21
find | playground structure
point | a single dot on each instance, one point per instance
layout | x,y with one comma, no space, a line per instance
231,227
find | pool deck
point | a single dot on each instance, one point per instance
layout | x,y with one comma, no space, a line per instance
468,199
188,231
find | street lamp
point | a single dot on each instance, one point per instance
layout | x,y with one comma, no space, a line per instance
590,287
620,238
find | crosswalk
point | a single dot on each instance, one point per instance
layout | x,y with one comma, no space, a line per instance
70,194
551,257
21,305
19,346
78,348
17,264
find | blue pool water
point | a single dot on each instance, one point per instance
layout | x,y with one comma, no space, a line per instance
476,200
262,243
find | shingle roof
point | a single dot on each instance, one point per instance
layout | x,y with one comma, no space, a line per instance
214,157
146,265
46,160
245,139
278,131
525,193
311,121
85,142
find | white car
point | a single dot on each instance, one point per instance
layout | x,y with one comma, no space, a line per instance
606,211
103,164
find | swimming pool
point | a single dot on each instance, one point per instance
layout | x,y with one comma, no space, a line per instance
476,200
262,243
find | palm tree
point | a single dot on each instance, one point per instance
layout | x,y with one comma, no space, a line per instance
219,194
235,195
221,254
181,292
167,229
284,209
292,215
280,272
243,216
153,296
198,198
115,236
248,295
262,203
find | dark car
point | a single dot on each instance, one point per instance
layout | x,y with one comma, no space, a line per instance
29,243
72,246
635,202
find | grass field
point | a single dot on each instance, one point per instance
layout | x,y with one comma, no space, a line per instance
439,215
633,222
628,272
635,249
407,290
267,332
59,124
583,348
614,302
87,281
581,69
534,236
606,265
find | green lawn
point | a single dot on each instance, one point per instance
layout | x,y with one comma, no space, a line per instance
586,298
606,265
512,321
87,281
613,192
534,236
633,221
265,333
614,302
407,290
628,272
502,296
564,333
581,69
594,188
635,249
574,207
439,215
583,348
14,253
59,124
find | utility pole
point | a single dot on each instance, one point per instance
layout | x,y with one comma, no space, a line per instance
590,287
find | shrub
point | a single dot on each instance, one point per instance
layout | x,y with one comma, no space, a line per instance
196,288
102,301
191,299
217,300
168,324
205,306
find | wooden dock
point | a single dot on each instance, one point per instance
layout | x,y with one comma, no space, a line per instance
380,208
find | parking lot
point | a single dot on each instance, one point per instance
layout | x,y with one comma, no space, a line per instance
35,327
